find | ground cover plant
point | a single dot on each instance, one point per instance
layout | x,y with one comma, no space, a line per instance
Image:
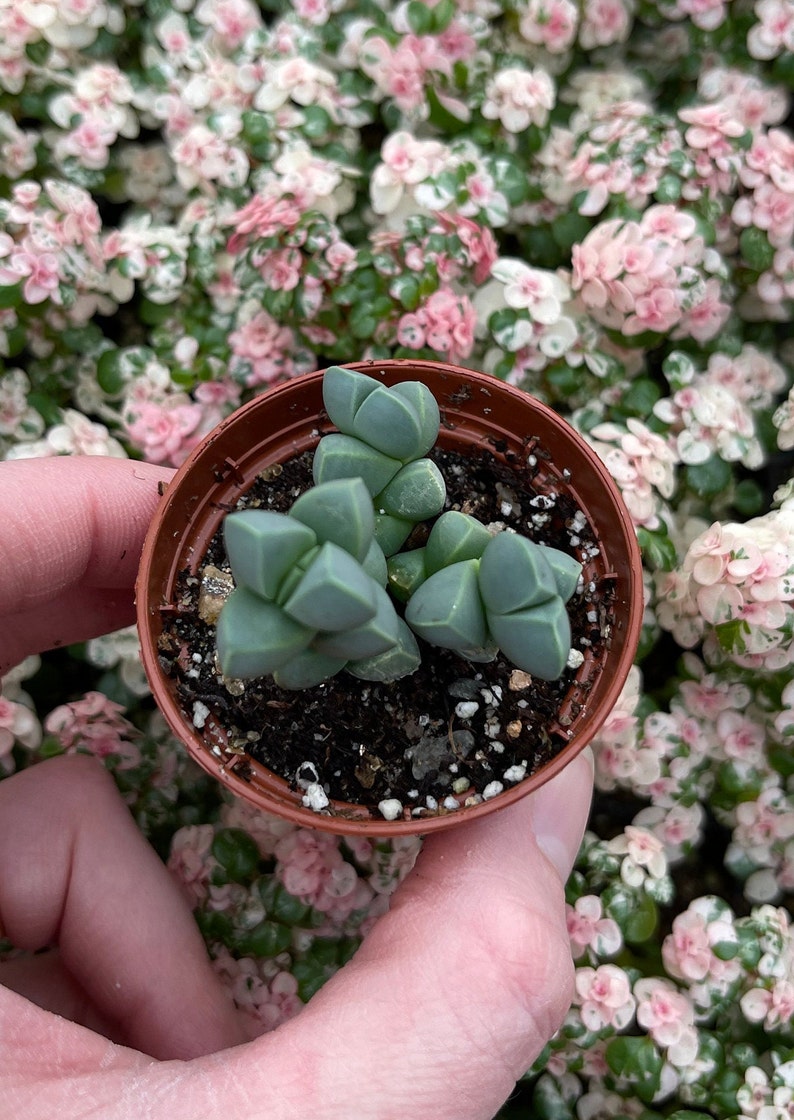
592,199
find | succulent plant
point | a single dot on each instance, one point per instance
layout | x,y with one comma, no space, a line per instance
476,593
310,594
309,597
384,436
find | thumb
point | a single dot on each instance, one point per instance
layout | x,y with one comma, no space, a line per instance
460,985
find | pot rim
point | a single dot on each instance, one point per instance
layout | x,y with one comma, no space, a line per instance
232,475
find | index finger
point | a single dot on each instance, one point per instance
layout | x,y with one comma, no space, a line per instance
73,529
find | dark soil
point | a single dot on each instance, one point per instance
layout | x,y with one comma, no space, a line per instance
451,732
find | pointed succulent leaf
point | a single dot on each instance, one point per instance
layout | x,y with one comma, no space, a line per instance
565,569
344,391
514,574
417,492
335,593
340,512
455,536
398,661
391,532
390,423
340,456
446,609
537,640
406,572
255,637
307,669
295,575
426,407
371,638
262,546
374,564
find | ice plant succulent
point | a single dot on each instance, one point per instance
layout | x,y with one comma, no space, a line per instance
309,599
383,438
306,604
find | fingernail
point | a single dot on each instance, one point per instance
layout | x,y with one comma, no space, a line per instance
560,809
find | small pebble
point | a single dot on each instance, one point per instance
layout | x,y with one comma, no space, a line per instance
519,680
200,713
390,808
575,659
315,797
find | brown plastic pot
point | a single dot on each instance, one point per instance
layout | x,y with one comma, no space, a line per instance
477,412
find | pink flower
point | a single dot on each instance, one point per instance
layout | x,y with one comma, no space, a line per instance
604,997
95,724
668,1017
191,862
589,929
549,23
261,350
164,431
518,98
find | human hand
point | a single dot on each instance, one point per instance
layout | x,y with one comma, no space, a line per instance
451,996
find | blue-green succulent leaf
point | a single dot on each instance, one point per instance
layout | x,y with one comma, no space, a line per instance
335,593
390,423
514,574
307,669
426,407
340,512
398,661
446,609
344,391
406,572
565,569
537,640
255,637
454,537
367,640
341,456
374,564
482,654
262,546
417,492
391,533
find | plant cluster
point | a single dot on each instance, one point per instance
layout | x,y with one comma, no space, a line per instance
593,199
310,596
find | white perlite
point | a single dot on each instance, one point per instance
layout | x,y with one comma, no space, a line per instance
200,713
575,659
491,790
315,797
390,808
466,709
516,773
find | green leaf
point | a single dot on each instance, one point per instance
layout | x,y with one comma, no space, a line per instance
262,546
641,922
266,939
420,18
756,249
658,549
340,456
340,512
639,1062
237,853
335,593
255,637
455,536
446,609
11,295
709,479
514,574
416,493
